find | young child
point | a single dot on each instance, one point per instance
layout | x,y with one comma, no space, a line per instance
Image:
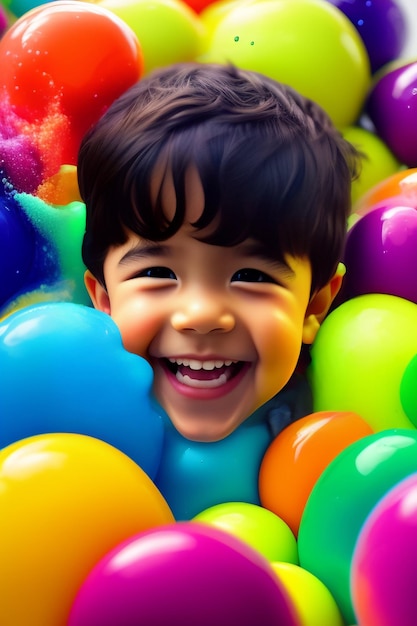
217,202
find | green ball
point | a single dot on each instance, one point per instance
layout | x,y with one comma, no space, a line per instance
342,499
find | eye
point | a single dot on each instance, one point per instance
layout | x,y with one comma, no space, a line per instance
156,272
250,275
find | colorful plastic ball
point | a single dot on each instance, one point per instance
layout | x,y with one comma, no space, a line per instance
381,248
381,25
68,56
308,44
378,163
199,5
360,356
399,187
66,501
384,565
3,20
299,454
17,248
19,7
392,108
342,499
260,528
63,228
194,475
313,602
169,31
77,378
212,14
186,574
408,390
61,188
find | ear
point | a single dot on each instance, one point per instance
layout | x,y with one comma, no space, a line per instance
320,304
97,293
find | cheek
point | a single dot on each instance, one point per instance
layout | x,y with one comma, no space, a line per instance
278,343
138,328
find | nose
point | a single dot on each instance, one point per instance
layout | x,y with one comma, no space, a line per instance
203,315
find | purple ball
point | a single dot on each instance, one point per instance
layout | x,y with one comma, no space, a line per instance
381,25
3,21
182,574
381,253
384,563
392,108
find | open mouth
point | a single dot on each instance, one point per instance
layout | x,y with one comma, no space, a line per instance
203,374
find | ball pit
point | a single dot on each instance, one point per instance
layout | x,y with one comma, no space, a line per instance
89,487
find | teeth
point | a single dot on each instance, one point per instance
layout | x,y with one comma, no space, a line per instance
196,365
202,384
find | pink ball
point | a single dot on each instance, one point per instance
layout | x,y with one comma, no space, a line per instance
384,564
182,574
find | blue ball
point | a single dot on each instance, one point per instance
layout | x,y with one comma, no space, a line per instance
64,369
381,25
194,476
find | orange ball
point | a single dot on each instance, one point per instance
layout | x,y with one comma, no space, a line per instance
299,454
402,183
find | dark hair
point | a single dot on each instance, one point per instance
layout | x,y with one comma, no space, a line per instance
271,163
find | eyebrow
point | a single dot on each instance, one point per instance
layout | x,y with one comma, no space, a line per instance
144,250
248,248
257,250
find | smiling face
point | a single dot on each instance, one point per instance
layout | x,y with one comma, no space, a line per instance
222,327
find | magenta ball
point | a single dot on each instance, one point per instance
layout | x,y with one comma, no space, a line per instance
184,574
384,563
381,253
381,25
3,21
392,108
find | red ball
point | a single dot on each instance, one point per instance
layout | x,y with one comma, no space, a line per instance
68,57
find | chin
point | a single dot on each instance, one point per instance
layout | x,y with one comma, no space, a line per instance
205,433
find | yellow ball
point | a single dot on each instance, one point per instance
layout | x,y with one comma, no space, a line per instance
312,600
66,500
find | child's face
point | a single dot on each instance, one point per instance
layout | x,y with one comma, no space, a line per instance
221,326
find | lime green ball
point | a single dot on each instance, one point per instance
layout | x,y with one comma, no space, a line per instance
308,44
256,526
378,162
169,31
360,356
